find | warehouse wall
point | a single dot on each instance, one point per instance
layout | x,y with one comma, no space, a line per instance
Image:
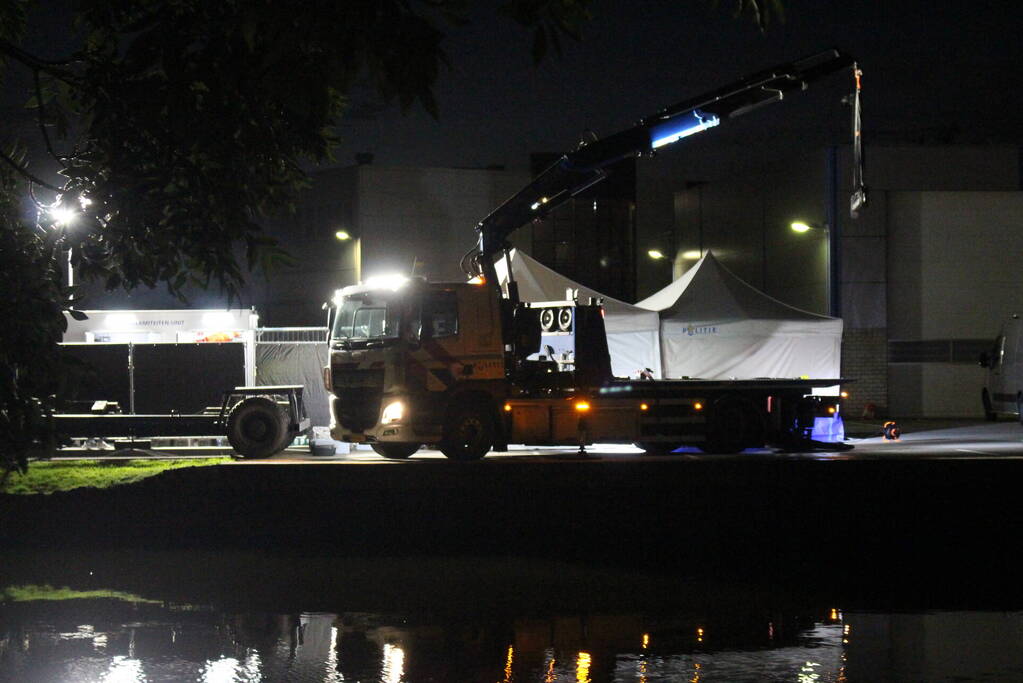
955,273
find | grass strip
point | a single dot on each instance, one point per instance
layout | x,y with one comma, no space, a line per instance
66,475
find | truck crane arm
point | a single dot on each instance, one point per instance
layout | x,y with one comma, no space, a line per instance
582,168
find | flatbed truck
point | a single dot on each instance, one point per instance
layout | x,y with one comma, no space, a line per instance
468,367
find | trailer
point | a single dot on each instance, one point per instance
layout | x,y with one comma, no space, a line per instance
468,367
257,421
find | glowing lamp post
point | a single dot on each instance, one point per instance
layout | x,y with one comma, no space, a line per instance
804,227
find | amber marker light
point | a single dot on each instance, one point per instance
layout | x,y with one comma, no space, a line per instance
831,410
643,406
478,280
844,394
507,407
582,406
697,406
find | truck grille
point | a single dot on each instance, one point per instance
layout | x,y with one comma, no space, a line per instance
358,397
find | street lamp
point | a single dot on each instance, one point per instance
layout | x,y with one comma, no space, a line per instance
655,254
804,227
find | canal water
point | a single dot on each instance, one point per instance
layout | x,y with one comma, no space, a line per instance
220,617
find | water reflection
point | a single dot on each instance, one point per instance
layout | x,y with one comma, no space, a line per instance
68,636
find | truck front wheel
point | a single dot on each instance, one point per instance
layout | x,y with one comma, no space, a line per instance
468,433
258,427
396,450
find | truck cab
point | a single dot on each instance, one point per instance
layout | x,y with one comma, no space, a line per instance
415,363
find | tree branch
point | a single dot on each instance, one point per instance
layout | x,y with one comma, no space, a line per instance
41,119
31,61
25,173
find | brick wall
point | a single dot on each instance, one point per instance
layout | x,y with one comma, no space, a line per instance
865,359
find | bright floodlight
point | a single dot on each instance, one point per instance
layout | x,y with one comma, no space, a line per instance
342,235
392,282
691,255
218,320
800,226
655,254
62,215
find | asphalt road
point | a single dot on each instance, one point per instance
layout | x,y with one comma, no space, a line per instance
972,441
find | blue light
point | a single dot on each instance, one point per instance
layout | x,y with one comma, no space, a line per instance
684,126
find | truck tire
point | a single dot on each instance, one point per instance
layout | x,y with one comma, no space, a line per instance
258,427
468,432
396,450
658,447
727,426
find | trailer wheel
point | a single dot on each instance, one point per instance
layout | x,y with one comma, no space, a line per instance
658,447
728,428
468,433
258,427
395,450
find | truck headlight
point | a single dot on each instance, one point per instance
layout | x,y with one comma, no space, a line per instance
393,413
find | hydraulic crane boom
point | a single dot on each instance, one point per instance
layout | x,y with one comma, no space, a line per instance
578,170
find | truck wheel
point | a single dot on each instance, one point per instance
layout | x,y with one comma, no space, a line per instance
658,447
727,427
396,450
469,433
985,399
257,428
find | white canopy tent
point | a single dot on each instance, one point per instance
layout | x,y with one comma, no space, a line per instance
632,332
716,326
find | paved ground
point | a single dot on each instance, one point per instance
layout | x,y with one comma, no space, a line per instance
932,439
921,438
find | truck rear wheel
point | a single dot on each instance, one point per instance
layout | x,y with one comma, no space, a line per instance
468,433
396,450
727,426
258,427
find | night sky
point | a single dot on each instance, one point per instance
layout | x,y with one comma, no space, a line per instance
935,72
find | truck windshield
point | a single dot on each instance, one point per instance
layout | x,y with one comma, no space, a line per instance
366,316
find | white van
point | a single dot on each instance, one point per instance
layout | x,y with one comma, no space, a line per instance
1003,390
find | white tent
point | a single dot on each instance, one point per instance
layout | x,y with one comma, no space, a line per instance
716,326
632,332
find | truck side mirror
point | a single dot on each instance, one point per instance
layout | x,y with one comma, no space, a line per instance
330,314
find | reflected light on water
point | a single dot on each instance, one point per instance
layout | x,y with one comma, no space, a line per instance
696,673
582,667
220,671
807,673
124,670
508,664
394,664
549,660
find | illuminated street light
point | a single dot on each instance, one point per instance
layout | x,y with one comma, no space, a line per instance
342,235
655,254
62,215
831,289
